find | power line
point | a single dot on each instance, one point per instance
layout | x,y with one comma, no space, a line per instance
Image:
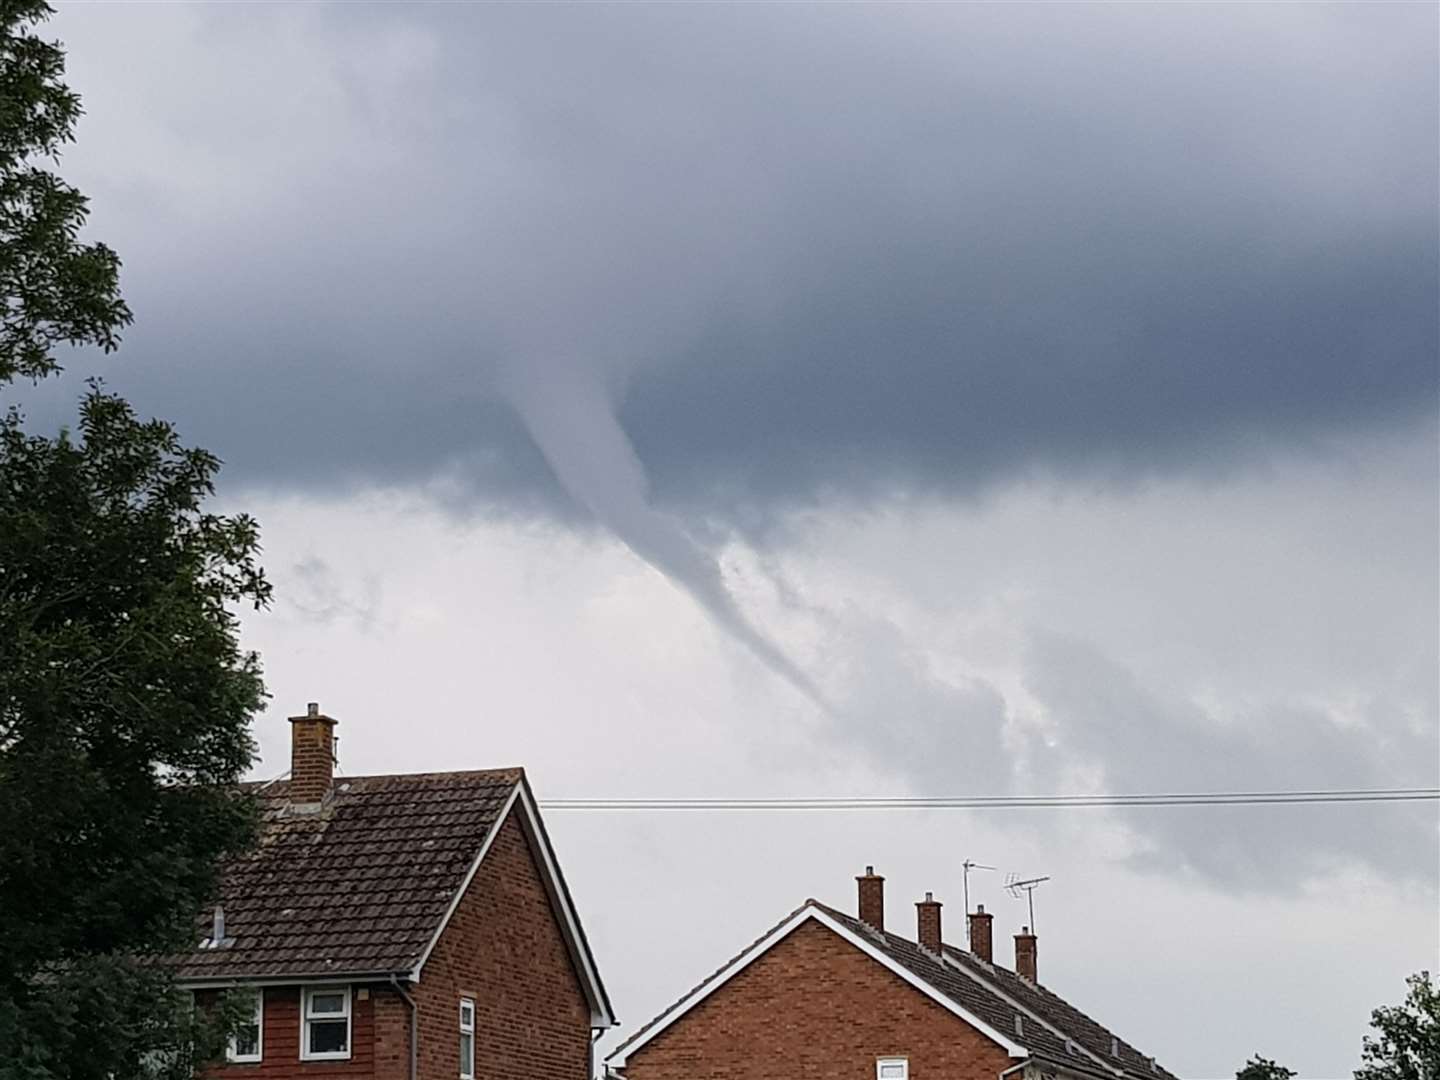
1010,802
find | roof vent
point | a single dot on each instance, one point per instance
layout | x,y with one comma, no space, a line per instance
217,938
1114,1046
1019,1025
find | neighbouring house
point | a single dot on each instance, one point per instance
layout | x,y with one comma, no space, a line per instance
824,996
411,927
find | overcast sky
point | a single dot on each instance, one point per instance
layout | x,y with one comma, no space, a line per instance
765,400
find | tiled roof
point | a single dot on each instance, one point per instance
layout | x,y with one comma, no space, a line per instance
1095,1037
359,887
1050,1029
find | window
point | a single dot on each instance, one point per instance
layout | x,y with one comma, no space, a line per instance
246,1044
467,1039
327,1023
892,1069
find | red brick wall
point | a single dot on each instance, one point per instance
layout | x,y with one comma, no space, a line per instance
816,1008
504,949
281,1042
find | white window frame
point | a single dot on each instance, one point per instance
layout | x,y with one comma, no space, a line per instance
306,993
251,1059
467,1028
882,1063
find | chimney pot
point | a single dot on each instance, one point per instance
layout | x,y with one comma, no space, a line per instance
1025,955
927,919
312,755
872,899
981,939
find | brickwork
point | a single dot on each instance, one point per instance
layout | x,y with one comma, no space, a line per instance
816,1008
282,1043
1025,956
927,924
504,949
312,756
982,934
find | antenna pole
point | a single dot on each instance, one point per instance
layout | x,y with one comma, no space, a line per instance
967,866
1014,886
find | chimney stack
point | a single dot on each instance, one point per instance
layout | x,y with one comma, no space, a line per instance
981,941
312,755
1025,955
927,918
872,899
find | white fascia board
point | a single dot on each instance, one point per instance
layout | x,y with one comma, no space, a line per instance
779,934
600,1013
260,981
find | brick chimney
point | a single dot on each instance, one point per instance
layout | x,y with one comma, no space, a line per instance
312,755
872,898
981,941
927,919
1025,955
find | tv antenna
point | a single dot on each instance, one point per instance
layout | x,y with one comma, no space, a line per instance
967,866
1015,885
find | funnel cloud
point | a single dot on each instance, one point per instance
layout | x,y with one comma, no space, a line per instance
569,415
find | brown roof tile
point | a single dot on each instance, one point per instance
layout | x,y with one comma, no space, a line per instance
360,886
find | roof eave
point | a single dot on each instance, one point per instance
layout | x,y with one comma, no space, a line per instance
220,982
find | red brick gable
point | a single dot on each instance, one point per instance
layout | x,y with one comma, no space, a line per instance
504,948
814,1007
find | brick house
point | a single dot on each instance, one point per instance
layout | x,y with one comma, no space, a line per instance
825,996
409,927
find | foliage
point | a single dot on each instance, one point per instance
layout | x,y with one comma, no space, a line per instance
53,288
1407,1043
125,703
104,1017
1261,1068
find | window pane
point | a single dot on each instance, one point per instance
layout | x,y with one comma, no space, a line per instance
467,1054
467,1015
328,1036
247,1041
893,1070
327,1003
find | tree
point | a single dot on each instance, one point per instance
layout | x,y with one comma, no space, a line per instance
1260,1068
125,703
1407,1046
53,288
125,698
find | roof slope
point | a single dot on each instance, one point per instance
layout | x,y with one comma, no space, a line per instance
359,887
1054,1009
1050,1029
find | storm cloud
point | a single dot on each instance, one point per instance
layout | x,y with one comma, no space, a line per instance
813,252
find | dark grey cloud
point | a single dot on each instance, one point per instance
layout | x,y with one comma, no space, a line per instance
806,250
